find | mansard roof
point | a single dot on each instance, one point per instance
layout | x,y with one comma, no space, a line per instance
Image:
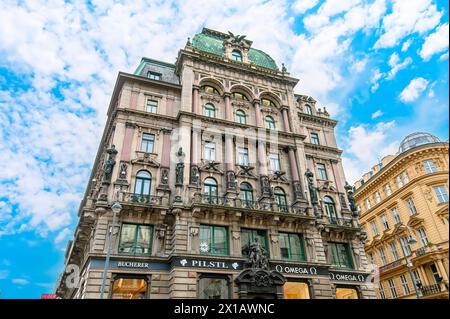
166,70
211,41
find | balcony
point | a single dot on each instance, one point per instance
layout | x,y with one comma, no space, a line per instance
347,222
226,202
433,289
147,200
422,251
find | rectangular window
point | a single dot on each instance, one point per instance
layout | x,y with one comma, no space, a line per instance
396,215
411,206
210,151
377,197
372,258
383,256
423,237
315,138
340,254
346,293
147,143
399,182
392,288
291,246
387,189
435,272
153,75
416,276
381,291
367,203
135,239
248,237
441,194
405,177
213,240
129,288
322,172
373,226
429,166
385,222
405,245
213,287
274,162
152,106
405,286
394,252
243,156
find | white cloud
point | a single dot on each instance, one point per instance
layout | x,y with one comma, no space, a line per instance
376,114
407,17
374,80
366,137
396,65
412,92
406,45
301,6
63,235
435,43
20,281
443,57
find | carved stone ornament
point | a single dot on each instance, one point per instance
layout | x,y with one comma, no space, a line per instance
179,172
123,170
194,175
298,191
279,176
265,186
211,166
351,200
246,171
231,180
257,257
194,231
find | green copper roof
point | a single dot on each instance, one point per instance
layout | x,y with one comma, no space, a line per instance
212,43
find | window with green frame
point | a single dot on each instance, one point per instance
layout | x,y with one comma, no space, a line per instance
340,255
246,194
135,239
280,196
213,240
209,110
241,117
248,237
270,123
292,246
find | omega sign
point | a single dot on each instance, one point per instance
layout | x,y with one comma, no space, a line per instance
300,270
337,276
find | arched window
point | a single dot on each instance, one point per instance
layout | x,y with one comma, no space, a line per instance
267,102
210,89
210,190
280,196
270,122
210,110
236,56
330,209
246,194
142,187
239,96
241,117
308,109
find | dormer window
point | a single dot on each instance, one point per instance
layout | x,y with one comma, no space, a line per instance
308,109
154,76
236,56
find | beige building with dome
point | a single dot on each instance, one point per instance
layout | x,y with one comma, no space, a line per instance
403,203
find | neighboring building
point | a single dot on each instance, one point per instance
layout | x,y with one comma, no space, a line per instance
205,156
406,196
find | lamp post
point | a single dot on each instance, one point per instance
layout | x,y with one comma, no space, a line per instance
411,241
116,208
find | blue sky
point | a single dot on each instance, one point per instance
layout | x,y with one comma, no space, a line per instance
380,67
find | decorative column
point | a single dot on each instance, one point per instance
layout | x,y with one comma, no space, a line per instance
266,191
134,98
194,170
195,98
258,115
121,183
228,110
296,183
165,161
229,163
284,112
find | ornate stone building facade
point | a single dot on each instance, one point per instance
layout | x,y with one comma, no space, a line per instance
226,180
404,205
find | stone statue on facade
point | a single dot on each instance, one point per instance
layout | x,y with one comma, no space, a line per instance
351,200
179,170
110,162
257,257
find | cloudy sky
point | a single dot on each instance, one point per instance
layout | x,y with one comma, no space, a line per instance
380,67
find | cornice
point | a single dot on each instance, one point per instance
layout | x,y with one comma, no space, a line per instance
317,119
322,148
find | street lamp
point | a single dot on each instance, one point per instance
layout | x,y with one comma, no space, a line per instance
116,208
409,265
